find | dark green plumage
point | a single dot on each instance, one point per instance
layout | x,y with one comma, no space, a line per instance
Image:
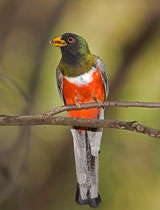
76,57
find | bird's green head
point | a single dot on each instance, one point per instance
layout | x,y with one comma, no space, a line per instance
73,47
76,57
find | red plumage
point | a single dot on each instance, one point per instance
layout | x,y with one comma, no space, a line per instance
87,93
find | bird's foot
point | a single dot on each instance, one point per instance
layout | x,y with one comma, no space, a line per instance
77,105
98,102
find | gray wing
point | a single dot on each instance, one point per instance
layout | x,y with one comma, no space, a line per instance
101,66
59,77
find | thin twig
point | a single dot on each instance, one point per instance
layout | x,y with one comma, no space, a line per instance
103,104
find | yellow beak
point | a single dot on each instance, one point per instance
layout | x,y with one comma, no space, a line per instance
58,42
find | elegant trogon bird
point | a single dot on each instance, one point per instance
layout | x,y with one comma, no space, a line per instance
82,78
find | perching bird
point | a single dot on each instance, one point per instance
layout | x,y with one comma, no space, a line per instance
81,78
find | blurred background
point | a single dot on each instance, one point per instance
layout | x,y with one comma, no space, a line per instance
37,168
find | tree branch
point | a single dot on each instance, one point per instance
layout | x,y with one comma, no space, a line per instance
48,119
103,104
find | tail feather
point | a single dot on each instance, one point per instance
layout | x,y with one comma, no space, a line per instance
95,135
87,166
86,149
79,199
93,202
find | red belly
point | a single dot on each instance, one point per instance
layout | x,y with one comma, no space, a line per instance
84,94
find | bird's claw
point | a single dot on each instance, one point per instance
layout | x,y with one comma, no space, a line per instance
99,102
78,105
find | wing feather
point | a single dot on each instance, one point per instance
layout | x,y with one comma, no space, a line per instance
101,66
59,77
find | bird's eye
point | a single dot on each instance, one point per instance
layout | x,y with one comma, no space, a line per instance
70,39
